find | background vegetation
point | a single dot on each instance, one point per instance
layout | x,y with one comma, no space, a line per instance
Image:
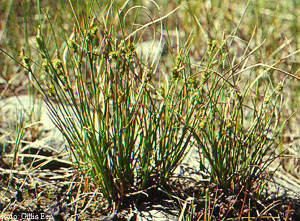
225,82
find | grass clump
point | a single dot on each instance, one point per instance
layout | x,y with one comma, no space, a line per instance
236,130
236,133
123,137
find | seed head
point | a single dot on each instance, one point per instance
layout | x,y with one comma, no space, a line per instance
25,59
57,63
40,44
267,99
73,45
202,124
45,65
279,87
211,45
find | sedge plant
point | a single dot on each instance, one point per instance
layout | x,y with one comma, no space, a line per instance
126,136
236,132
